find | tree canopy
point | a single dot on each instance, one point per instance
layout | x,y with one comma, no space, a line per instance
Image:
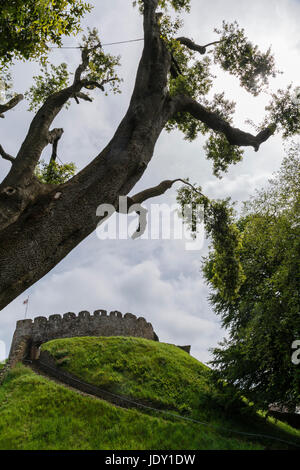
29,28
261,313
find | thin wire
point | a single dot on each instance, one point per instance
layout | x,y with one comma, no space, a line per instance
107,44
265,436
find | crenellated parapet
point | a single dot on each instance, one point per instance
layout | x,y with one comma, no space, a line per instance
30,334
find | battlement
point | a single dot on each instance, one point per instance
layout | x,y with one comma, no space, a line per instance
30,334
60,320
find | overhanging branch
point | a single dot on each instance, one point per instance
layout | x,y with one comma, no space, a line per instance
212,120
133,203
195,47
10,104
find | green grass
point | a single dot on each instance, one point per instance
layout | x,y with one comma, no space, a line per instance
156,373
37,413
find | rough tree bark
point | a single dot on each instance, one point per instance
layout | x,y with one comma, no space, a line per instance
40,223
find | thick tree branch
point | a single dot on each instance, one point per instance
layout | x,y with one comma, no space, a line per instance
10,104
195,47
212,120
26,188
81,68
5,155
133,203
38,135
154,191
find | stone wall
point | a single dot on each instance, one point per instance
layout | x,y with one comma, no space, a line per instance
30,334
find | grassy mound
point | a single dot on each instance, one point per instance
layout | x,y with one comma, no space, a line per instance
158,374
37,413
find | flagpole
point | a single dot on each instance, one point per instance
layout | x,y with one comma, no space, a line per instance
26,307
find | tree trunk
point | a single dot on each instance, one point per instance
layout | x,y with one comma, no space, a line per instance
57,221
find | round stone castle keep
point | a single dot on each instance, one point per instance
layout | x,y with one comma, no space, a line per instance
30,334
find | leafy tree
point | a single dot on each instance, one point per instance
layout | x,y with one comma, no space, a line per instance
53,172
262,312
173,80
27,28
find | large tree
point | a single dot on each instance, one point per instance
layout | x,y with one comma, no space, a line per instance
262,313
40,223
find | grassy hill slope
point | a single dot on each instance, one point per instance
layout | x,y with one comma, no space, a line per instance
37,413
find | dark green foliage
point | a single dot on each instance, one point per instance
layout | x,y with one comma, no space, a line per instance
27,28
217,147
222,153
263,317
284,112
223,267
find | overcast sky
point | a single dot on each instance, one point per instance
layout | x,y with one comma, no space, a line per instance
159,279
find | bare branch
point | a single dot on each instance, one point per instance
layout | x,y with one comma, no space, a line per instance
234,135
82,96
10,104
213,43
5,155
134,202
158,190
155,191
195,47
81,68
